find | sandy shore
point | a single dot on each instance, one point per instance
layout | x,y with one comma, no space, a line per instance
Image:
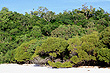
32,68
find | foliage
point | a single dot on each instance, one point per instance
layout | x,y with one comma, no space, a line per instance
104,55
47,29
53,54
36,32
75,59
65,39
1,58
59,64
82,49
65,18
14,31
52,45
26,50
66,32
9,56
105,38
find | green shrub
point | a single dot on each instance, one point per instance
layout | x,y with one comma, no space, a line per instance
66,65
53,54
26,50
93,38
57,64
36,32
104,55
53,48
67,32
9,56
4,47
90,41
60,65
101,24
105,38
90,30
14,31
47,29
52,44
75,59
82,49
1,58
73,43
21,53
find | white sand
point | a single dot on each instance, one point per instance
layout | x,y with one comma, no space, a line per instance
31,68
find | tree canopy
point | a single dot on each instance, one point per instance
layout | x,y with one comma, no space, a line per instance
71,38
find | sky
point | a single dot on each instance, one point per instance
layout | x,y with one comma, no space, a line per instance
57,6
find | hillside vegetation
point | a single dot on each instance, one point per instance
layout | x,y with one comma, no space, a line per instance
72,38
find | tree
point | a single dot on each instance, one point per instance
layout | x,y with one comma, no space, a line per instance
36,32
24,52
83,49
104,55
49,16
48,28
52,46
68,31
65,18
104,38
4,9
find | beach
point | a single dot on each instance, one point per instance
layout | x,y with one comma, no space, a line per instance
32,68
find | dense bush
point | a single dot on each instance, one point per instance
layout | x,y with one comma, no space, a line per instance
62,40
52,46
9,57
47,29
104,55
60,65
83,49
1,58
26,50
68,31
36,32
105,38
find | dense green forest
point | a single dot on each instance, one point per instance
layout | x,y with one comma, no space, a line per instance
72,38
